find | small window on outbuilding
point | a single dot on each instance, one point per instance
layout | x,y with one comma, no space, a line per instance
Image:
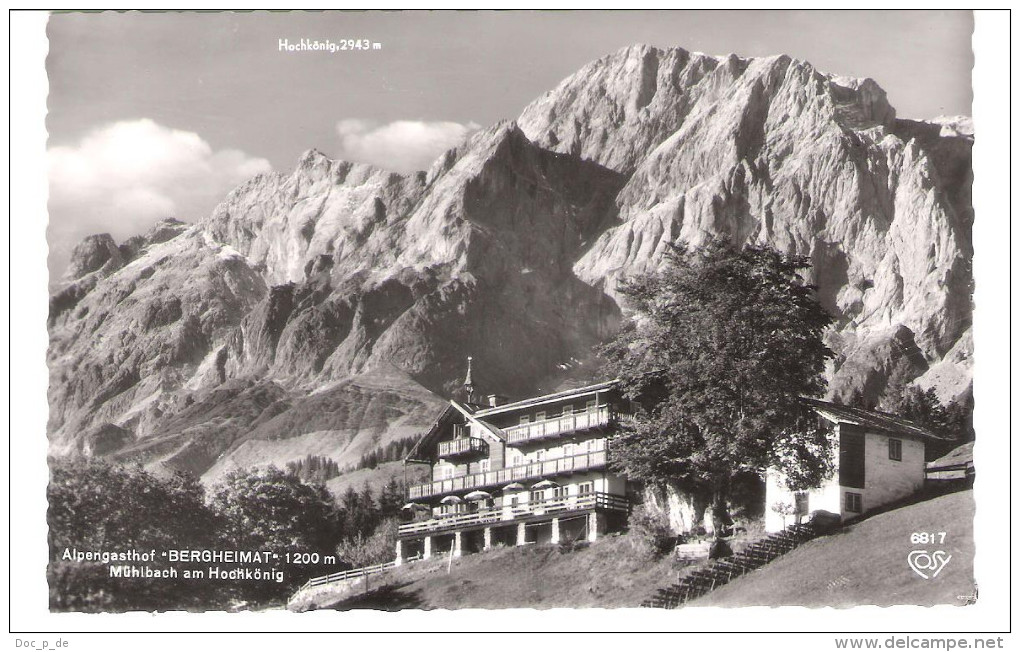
853,502
896,449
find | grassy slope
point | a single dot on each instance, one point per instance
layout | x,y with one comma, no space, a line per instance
609,573
377,478
867,563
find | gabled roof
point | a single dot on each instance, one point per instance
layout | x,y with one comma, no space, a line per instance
449,415
498,434
547,398
446,417
871,419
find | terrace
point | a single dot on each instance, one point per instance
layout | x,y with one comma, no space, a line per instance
548,468
557,426
462,447
491,515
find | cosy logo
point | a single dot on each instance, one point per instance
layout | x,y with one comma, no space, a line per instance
928,564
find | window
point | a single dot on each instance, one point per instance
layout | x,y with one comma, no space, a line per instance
447,471
853,502
590,406
540,456
536,496
568,450
585,488
514,500
559,492
525,419
896,449
540,416
851,460
484,466
568,410
581,448
516,458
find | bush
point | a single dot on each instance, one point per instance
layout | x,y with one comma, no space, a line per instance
359,550
651,532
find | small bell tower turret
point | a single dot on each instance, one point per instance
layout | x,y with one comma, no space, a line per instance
469,385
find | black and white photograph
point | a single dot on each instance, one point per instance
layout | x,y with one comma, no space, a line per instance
377,312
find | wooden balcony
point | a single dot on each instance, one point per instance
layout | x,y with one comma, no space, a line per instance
558,426
506,514
546,469
463,447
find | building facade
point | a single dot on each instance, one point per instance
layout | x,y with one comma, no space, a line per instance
531,471
878,459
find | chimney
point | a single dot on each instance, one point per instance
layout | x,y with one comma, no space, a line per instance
495,400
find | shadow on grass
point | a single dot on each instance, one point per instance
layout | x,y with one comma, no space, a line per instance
384,598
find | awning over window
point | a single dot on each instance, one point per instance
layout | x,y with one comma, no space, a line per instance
513,486
544,484
451,500
478,495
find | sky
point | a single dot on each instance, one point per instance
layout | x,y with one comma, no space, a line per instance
157,115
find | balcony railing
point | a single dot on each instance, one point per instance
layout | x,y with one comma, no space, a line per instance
558,426
594,460
459,447
585,502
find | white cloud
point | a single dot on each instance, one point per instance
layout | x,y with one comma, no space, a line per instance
124,176
401,146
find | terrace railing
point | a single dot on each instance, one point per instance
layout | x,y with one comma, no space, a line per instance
464,446
584,502
548,468
556,426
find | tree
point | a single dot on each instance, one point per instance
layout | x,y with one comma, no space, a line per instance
101,506
960,417
363,549
97,506
269,509
922,407
391,499
721,345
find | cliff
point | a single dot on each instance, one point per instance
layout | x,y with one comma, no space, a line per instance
346,290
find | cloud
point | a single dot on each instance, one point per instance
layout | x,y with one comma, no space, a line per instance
123,177
401,146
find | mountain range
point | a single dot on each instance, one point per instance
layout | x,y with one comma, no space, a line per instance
328,311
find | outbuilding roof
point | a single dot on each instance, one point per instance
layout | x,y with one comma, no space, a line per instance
960,457
872,420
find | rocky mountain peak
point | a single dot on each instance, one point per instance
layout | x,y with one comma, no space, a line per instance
510,248
91,255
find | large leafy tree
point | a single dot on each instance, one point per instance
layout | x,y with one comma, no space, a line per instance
95,506
721,345
270,509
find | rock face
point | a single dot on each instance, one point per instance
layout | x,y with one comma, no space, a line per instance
771,151
300,291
